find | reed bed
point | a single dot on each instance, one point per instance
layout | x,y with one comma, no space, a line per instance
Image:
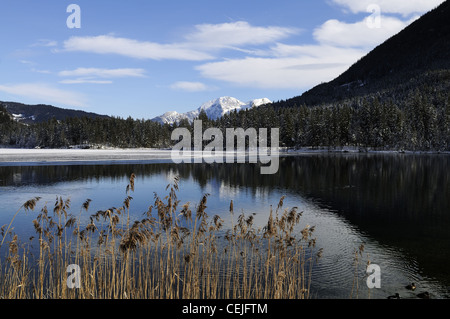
174,252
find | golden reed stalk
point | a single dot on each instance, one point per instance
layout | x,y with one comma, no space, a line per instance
171,253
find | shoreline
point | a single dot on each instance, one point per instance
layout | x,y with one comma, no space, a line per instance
12,156
16,156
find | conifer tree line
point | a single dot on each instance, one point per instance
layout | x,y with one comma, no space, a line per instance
418,121
84,132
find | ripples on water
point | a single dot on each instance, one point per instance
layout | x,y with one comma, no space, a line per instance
397,205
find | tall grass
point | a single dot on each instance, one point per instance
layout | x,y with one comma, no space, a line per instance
175,251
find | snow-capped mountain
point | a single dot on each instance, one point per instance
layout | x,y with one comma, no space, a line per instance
214,109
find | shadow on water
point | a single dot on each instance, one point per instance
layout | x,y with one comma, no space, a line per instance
399,200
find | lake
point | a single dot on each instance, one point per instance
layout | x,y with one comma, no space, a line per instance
397,205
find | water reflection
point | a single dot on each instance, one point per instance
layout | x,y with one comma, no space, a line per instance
400,202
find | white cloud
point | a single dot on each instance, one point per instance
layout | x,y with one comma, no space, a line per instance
359,34
94,75
280,66
42,93
103,73
338,46
106,44
314,53
293,67
228,35
403,7
45,43
41,71
197,45
266,62
27,62
85,81
189,86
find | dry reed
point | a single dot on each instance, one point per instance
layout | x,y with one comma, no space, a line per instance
173,252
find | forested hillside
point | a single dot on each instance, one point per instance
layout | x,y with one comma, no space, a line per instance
395,66
83,132
396,97
31,114
418,121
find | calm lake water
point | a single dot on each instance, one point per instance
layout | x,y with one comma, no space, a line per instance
397,205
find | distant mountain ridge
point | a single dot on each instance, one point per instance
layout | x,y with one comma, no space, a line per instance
214,109
32,114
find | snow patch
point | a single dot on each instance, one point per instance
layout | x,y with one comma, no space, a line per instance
214,109
21,117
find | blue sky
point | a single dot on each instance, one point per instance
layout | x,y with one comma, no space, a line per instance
142,58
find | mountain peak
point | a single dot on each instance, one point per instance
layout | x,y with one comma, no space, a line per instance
214,109
224,104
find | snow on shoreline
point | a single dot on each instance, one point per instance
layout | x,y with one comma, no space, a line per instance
18,156
47,156
10,155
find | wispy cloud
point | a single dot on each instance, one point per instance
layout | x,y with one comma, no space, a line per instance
96,75
45,43
43,93
240,33
359,34
103,73
290,67
189,86
264,60
106,44
27,62
199,45
338,45
41,71
85,81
